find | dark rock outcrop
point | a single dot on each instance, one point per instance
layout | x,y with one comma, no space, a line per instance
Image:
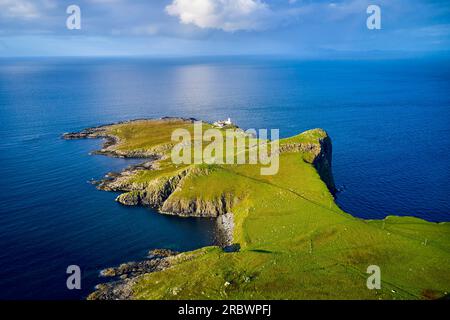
199,207
128,274
321,157
153,194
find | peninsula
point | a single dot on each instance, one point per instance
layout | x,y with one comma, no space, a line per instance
285,237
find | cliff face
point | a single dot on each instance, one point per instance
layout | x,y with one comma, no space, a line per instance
153,194
162,194
200,207
323,164
319,153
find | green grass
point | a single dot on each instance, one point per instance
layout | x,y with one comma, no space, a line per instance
296,243
146,135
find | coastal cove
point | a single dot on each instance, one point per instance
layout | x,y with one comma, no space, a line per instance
390,154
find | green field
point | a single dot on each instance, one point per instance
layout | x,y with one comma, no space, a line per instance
295,242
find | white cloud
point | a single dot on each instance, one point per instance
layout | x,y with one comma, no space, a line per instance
227,15
18,9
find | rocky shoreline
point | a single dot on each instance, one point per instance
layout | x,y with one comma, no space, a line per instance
127,274
156,194
109,147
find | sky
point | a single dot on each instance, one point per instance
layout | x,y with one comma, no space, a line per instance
304,28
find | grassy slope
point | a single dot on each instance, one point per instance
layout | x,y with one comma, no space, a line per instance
295,241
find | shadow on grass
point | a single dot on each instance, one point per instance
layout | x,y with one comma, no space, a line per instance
261,251
232,248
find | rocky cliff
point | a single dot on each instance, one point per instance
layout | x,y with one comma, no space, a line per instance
162,193
319,153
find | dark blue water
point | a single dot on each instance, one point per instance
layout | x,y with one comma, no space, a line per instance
389,121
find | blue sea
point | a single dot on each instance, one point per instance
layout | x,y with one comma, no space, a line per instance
389,122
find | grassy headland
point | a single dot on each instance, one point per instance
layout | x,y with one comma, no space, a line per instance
294,241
